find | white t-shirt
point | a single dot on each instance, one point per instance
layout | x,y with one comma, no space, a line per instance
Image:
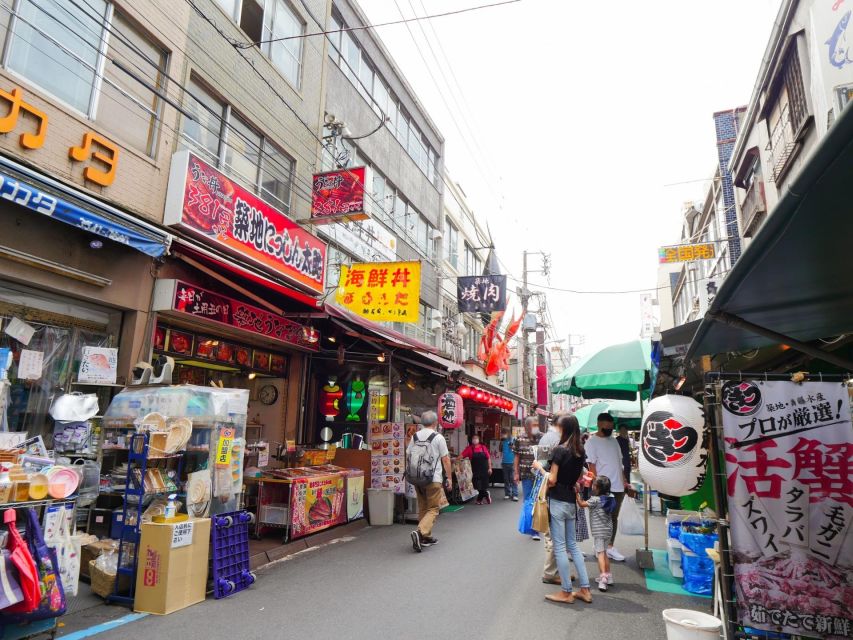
439,450
606,455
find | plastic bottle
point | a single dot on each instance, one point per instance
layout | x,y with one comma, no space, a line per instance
171,508
5,485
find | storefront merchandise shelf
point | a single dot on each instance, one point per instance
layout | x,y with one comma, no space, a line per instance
37,503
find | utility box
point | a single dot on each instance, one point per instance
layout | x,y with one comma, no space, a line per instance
173,564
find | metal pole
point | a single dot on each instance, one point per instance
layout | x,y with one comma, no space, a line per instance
718,477
525,374
647,499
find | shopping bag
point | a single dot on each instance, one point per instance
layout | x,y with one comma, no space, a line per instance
67,552
10,588
22,560
630,520
541,518
525,518
51,598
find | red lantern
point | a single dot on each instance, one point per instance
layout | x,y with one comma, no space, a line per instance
450,410
464,392
493,401
479,396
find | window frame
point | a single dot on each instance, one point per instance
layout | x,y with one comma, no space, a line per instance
270,7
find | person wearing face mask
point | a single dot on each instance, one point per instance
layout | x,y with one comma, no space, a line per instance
481,468
525,454
604,456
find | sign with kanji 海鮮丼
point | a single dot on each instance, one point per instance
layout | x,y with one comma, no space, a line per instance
381,291
788,451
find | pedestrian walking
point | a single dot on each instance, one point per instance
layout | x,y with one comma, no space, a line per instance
428,470
481,468
601,505
543,454
524,458
605,459
507,460
567,465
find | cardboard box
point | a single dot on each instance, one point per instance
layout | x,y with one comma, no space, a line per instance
91,551
173,562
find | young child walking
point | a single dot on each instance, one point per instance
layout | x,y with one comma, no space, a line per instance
601,506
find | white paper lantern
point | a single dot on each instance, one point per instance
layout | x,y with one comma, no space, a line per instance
672,455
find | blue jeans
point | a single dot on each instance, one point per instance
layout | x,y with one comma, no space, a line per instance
510,485
563,535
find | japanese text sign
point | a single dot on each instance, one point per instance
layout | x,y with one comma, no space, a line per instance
450,410
686,253
339,194
98,365
186,298
205,202
381,291
225,447
182,534
316,503
481,294
788,452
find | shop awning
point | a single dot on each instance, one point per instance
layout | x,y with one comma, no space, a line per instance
794,279
209,261
385,334
46,196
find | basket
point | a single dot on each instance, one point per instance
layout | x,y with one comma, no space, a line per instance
9,455
103,583
274,514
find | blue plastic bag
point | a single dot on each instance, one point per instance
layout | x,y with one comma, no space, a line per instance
698,542
525,518
698,574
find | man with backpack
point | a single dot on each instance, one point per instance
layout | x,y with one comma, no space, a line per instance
428,471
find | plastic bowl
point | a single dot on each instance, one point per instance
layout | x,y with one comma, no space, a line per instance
62,482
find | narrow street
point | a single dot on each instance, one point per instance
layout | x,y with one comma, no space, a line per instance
482,581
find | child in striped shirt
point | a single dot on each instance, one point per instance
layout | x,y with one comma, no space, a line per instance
601,506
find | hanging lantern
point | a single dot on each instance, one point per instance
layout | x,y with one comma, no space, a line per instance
464,392
356,396
481,396
672,450
330,397
450,407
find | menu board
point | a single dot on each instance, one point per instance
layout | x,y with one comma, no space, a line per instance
388,455
317,503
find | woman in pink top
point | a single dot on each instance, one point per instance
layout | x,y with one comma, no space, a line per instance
481,467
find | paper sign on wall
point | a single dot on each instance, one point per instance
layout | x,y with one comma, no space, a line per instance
223,449
20,331
98,365
30,364
182,534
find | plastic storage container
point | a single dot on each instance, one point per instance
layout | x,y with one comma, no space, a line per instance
380,503
274,513
684,624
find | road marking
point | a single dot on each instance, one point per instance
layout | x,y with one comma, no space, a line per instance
105,626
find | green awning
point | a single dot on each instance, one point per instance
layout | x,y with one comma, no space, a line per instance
617,371
794,278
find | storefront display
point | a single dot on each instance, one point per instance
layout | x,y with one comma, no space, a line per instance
388,451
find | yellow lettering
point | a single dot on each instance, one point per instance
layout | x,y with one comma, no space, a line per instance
85,152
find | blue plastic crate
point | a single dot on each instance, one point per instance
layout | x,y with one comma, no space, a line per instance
230,559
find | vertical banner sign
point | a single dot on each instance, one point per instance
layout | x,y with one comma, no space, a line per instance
481,294
224,447
205,202
788,452
450,410
339,195
381,291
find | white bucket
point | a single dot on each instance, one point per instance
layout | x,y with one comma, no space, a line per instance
380,504
684,624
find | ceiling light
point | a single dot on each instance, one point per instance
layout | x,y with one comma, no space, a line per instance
332,338
381,357
253,375
96,244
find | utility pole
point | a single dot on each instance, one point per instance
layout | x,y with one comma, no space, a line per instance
522,359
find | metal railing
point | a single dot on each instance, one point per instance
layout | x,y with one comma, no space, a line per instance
753,206
782,144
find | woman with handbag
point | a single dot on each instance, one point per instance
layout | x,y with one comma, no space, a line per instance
481,468
567,466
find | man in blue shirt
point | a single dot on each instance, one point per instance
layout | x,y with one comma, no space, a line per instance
507,461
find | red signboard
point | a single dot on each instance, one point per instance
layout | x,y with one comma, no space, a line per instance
202,200
339,195
201,303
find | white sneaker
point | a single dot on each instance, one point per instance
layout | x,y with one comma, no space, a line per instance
535,536
609,578
602,583
613,554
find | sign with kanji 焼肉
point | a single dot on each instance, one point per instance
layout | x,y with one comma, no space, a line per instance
481,294
381,291
788,452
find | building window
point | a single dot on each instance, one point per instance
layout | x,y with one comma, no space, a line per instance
265,21
793,79
424,233
473,264
231,7
60,47
451,245
225,140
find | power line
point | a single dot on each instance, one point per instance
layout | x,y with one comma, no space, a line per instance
249,45
627,291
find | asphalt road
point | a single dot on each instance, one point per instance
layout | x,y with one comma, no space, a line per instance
483,580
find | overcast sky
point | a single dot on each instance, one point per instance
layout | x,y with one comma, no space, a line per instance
572,119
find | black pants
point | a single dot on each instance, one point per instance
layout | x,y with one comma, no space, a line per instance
481,484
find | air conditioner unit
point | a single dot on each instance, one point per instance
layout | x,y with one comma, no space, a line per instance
435,319
437,234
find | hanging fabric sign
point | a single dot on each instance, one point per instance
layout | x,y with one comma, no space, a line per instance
450,410
788,448
481,294
381,291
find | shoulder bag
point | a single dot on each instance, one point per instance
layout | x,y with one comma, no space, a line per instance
541,516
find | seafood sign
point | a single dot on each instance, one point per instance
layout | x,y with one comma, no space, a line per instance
788,452
317,503
839,48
